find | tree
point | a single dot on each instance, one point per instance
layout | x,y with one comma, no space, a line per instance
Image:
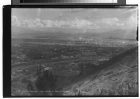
46,82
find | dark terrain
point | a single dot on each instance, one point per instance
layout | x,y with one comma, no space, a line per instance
77,67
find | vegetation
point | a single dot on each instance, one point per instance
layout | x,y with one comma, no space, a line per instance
124,89
68,63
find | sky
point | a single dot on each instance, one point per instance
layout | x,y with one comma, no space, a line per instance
80,20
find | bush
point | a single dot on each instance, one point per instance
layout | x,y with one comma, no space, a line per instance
124,89
46,84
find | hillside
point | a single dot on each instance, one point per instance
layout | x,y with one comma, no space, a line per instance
117,77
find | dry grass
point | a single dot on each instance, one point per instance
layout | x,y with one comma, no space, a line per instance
124,89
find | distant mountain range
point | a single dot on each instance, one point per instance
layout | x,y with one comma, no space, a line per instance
57,33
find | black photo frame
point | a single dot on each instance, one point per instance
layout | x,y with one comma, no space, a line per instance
7,39
44,2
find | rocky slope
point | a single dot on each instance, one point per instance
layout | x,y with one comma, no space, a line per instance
117,77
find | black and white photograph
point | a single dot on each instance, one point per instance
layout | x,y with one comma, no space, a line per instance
74,51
